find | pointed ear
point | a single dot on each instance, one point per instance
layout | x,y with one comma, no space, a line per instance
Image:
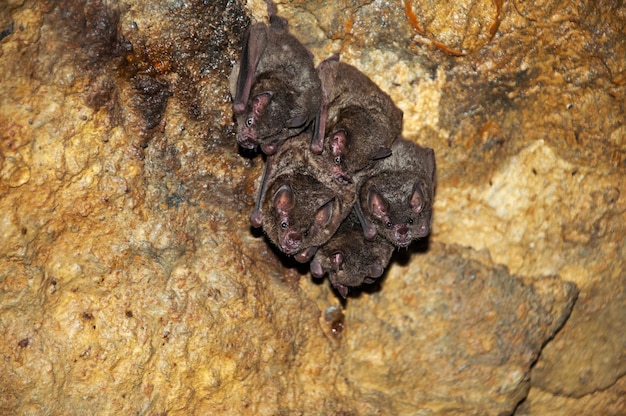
377,204
283,199
260,101
381,153
338,143
297,121
417,197
336,259
325,213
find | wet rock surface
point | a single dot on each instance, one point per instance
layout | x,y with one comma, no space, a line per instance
130,281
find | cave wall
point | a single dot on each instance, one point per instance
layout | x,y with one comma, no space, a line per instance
131,281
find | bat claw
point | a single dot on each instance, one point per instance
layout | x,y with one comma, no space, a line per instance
316,148
342,289
256,219
239,108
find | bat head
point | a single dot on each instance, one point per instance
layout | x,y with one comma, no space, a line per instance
303,216
349,259
355,142
270,116
399,207
338,146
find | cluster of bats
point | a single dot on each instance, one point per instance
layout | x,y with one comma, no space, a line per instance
341,189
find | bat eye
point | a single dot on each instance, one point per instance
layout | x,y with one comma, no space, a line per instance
337,160
249,122
306,233
389,224
410,221
283,225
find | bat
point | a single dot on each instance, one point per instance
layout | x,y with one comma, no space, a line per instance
396,200
275,88
349,259
300,205
357,122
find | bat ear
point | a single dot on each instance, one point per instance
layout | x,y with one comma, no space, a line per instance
260,101
283,199
336,259
417,197
338,143
377,204
325,213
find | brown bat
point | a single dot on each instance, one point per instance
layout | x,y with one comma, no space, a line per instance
396,200
300,205
358,122
277,93
349,259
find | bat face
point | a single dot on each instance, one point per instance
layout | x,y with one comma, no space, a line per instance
349,259
271,115
399,206
355,143
302,215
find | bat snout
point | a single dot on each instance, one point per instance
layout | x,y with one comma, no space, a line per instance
402,234
247,142
291,242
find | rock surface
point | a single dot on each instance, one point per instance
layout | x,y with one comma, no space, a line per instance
130,281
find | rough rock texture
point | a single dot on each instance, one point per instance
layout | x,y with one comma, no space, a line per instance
131,283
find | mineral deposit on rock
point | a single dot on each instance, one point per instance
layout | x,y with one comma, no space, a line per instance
131,283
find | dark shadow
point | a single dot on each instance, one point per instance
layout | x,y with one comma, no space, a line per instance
287,261
249,153
402,256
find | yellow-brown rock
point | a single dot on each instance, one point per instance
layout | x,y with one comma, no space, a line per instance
131,282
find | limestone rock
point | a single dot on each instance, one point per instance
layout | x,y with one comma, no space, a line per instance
130,281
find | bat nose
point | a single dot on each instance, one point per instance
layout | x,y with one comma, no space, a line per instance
403,235
292,242
403,231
